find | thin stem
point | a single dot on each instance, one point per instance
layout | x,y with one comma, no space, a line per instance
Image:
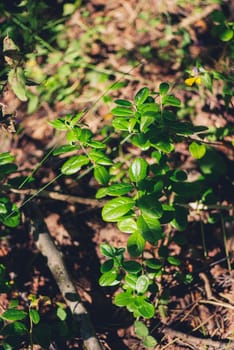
225,244
203,238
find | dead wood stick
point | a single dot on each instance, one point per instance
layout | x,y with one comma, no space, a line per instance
198,343
56,264
55,195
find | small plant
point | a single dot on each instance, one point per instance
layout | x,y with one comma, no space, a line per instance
149,198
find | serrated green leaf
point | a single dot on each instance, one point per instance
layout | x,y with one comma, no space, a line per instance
116,208
74,164
197,150
141,95
142,284
136,244
138,170
140,329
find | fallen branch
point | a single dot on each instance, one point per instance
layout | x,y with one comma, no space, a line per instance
198,343
58,269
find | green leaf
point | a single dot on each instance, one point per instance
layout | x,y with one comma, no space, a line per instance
142,95
122,112
17,81
146,309
173,260
34,315
138,170
140,329
132,266
100,158
6,169
119,189
96,144
142,284
107,265
116,208
101,175
12,217
123,299
14,315
59,124
170,100
122,102
74,164
150,342
226,35
102,192
150,110
141,140
154,264
150,229
150,206
109,279
130,281
127,225
163,88
197,150
135,244
61,313
14,329
6,158
120,124
107,250
64,149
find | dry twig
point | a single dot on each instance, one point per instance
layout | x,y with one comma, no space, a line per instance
198,343
58,269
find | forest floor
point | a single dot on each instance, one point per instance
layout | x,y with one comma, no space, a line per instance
199,315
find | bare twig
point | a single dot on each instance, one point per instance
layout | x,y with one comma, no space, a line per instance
58,269
56,195
198,343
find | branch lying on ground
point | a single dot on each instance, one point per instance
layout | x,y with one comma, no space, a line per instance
198,343
57,267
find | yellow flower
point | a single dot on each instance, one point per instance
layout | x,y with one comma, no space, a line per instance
194,79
